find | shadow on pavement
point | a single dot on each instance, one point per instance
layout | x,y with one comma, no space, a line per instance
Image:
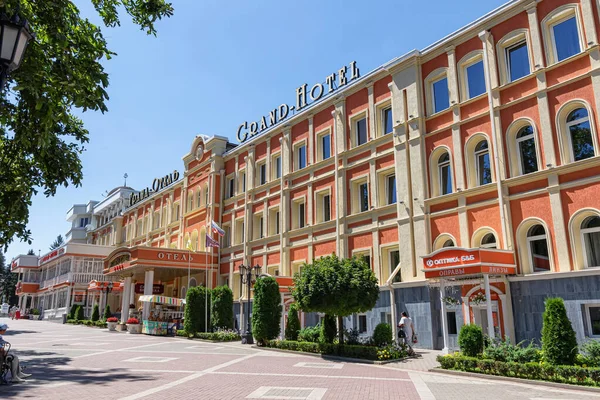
50,370
12,332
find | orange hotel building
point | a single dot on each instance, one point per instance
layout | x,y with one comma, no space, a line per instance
467,173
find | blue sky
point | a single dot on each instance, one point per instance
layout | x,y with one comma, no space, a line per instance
216,64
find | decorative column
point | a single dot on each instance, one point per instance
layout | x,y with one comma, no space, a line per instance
125,300
444,321
148,283
488,298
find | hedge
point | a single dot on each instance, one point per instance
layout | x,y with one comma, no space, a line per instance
214,336
362,352
87,322
537,371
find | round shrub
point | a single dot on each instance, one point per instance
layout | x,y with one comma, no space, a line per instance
266,310
383,335
95,313
329,329
470,340
559,343
222,308
293,323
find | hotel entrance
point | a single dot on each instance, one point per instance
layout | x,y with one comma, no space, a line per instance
473,290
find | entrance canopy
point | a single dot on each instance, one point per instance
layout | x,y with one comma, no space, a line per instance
171,301
453,262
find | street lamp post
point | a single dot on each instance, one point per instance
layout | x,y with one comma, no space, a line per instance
107,290
14,37
248,275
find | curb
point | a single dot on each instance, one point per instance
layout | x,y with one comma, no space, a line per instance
331,357
555,385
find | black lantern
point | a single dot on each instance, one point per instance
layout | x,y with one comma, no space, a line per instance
248,276
108,288
14,37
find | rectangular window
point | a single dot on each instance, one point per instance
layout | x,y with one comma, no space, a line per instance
243,181
231,187
362,323
594,318
326,208
388,126
301,155
262,174
475,79
452,328
566,39
261,228
277,223
363,192
394,261
361,131
391,189
517,58
441,100
325,147
227,236
278,167
301,215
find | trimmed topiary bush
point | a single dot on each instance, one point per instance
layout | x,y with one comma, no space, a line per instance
79,315
329,329
195,309
221,315
470,340
107,314
95,313
293,323
266,310
382,335
72,311
559,343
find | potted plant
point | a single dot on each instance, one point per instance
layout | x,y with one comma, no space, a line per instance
34,313
133,325
112,323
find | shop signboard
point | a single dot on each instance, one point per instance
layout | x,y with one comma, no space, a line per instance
156,288
456,262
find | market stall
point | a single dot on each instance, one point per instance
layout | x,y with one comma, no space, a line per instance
166,313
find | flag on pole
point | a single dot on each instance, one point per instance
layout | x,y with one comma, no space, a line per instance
210,242
217,229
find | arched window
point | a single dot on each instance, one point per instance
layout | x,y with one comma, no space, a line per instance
445,174
580,134
206,194
488,241
193,282
538,249
526,151
590,232
448,243
199,198
190,200
482,163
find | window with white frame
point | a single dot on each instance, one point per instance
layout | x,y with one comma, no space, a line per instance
483,169
230,187
444,174
276,166
438,95
323,145
526,150
298,213
537,243
163,220
580,134
387,124
488,241
274,221
472,75
514,60
359,129
175,214
258,226
362,323
562,33
227,236
448,243
300,153
206,195
190,199
590,232
242,178
592,318
156,221
139,227
239,231
390,189
199,197
323,206
360,195
365,256
262,173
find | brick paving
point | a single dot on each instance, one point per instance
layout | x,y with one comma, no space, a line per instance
77,362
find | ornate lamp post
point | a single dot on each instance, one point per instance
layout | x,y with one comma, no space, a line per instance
248,276
14,37
107,290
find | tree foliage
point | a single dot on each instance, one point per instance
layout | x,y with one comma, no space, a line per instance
41,137
195,310
293,323
8,282
79,314
336,286
328,329
57,243
266,309
470,340
559,342
96,313
222,307
107,314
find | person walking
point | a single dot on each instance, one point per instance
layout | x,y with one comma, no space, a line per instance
407,335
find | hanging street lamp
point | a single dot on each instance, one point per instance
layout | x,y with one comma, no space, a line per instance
14,37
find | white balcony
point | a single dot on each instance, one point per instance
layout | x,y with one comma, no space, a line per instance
75,211
76,278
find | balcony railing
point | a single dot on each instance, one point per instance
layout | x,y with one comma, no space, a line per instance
76,277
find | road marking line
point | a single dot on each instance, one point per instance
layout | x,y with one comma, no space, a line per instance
127,348
366,378
421,386
163,387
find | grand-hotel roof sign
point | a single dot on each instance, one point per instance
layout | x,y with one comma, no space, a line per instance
304,98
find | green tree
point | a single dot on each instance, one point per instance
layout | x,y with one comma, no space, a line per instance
382,335
470,340
30,252
266,309
79,315
107,314
559,343
57,243
72,312
41,133
293,323
337,287
221,315
96,313
195,310
8,282
328,329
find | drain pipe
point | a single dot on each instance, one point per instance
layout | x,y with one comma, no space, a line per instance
484,36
